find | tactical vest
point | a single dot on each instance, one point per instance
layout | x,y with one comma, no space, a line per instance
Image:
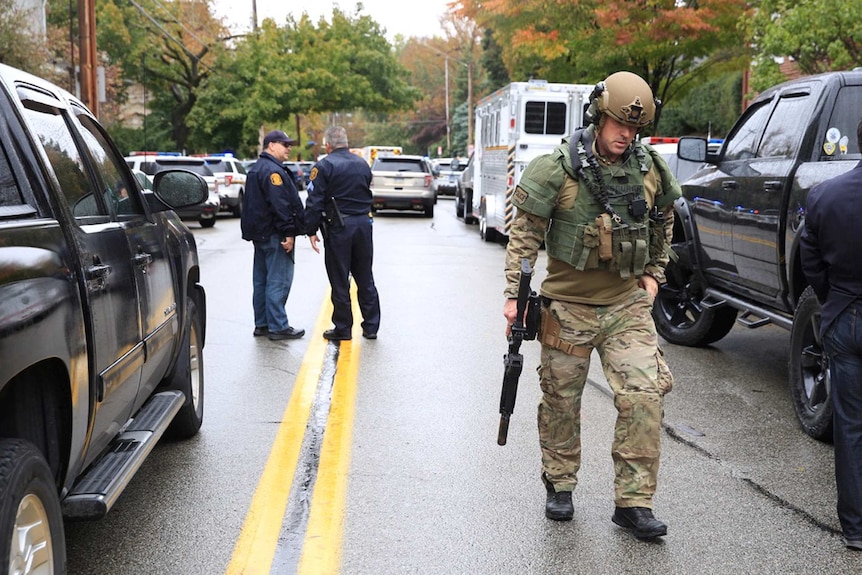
574,233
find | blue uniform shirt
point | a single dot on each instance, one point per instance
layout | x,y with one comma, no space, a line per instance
271,204
341,175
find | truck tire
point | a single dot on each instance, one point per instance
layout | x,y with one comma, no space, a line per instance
809,370
188,377
31,523
459,204
429,210
679,314
207,223
468,207
487,234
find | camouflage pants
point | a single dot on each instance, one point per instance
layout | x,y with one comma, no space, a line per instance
625,337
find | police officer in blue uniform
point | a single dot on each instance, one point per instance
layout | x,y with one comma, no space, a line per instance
339,204
272,218
830,245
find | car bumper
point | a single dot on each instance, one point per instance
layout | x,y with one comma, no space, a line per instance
383,201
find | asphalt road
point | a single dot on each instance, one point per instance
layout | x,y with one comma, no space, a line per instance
428,490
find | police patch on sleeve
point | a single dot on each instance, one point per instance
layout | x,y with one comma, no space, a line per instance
275,179
313,173
520,195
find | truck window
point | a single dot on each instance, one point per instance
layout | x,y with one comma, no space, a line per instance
846,115
119,193
49,124
545,118
782,136
742,143
10,195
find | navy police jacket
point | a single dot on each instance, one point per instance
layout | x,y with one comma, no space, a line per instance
271,204
830,244
341,175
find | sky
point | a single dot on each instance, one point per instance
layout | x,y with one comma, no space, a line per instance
406,17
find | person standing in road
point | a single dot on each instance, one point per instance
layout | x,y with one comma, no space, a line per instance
339,203
603,204
830,246
271,219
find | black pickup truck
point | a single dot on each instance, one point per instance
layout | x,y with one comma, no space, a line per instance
738,223
102,319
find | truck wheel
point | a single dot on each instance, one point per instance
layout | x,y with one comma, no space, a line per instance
679,314
429,210
31,523
468,207
486,233
809,370
207,223
459,205
188,377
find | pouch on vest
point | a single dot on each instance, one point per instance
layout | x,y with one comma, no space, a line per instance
606,243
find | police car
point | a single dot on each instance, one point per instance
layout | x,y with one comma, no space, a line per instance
231,174
151,163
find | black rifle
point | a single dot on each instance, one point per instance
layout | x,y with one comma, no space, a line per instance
524,328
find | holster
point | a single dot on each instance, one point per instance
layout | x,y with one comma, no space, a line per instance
332,219
549,334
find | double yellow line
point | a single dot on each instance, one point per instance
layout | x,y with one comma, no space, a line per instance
321,552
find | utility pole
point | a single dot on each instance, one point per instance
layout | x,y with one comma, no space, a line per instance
448,129
88,57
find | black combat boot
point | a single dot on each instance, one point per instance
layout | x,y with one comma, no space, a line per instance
640,521
559,504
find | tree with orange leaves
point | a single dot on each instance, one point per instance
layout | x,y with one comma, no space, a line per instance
583,41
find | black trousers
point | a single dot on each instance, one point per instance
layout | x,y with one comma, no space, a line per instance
349,251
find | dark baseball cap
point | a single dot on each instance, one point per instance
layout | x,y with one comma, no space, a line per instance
277,136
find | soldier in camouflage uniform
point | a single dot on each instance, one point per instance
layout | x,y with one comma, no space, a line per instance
603,205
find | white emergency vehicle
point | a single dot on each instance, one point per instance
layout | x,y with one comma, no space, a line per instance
514,125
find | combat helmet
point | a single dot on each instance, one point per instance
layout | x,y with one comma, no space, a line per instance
624,96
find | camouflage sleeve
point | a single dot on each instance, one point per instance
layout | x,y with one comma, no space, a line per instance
661,237
525,237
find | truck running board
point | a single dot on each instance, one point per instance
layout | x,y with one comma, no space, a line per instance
99,488
752,316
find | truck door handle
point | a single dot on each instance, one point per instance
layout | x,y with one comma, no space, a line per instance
772,186
97,274
729,185
142,260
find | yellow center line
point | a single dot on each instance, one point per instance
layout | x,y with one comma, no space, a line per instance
321,554
257,544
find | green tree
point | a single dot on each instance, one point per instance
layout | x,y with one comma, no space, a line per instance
300,68
819,36
664,41
19,46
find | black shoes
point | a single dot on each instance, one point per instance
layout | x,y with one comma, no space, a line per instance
369,335
260,330
640,521
559,503
289,333
335,335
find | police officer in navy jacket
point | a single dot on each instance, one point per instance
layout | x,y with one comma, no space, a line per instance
271,219
831,246
339,202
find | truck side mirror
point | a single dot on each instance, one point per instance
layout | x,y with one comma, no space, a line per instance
692,149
